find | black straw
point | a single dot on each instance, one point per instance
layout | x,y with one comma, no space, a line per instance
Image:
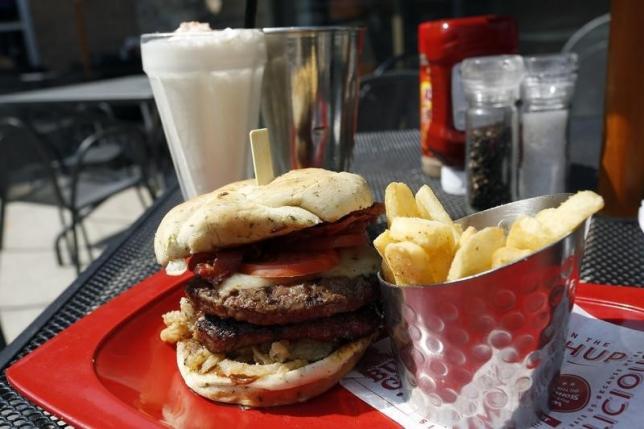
249,15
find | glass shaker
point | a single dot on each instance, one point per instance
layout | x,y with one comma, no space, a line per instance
491,87
546,93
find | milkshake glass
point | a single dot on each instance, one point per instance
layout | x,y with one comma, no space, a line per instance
207,88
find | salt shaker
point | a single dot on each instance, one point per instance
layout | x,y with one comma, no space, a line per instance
491,87
546,93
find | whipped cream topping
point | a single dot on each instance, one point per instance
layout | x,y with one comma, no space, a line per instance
193,27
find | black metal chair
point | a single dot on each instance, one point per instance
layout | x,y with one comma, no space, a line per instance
590,43
91,183
389,101
79,184
3,343
66,125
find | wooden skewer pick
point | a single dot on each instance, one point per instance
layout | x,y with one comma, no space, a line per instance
260,145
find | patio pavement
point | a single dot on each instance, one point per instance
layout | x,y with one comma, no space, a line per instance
29,275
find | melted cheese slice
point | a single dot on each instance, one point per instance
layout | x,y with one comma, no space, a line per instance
353,263
242,281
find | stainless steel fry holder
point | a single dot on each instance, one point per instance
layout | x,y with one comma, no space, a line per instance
482,351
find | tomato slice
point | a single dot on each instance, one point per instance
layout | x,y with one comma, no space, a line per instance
353,239
293,264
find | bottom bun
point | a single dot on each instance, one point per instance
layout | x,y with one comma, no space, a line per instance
279,388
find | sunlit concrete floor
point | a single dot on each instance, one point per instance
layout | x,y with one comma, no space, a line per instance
30,278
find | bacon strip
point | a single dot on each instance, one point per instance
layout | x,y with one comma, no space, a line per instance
353,222
215,267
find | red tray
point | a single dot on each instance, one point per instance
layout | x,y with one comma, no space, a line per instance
110,370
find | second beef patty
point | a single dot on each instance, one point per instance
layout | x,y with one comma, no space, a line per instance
225,335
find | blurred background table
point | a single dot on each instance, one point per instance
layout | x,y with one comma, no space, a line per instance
53,124
614,255
123,90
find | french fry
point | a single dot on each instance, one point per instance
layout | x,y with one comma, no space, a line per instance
399,202
435,238
554,221
441,261
381,242
565,218
528,233
386,272
429,207
457,231
409,263
583,204
428,234
466,235
475,256
506,255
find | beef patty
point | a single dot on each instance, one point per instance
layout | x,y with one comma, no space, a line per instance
279,305
225,335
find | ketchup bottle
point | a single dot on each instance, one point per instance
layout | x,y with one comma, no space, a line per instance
442,45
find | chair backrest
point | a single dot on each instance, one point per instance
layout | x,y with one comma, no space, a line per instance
67,125
129,144
129,138
590,43
389,101
25,158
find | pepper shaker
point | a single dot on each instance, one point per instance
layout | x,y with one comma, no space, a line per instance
491,87
546,93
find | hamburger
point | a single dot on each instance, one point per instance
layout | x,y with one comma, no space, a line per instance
282,303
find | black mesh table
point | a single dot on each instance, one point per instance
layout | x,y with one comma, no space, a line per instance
615,255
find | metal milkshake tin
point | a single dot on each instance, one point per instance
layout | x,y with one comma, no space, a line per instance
310,95
482,351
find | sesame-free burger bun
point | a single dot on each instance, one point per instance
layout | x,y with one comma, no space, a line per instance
243,212
229,383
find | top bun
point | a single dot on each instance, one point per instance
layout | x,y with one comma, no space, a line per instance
243,212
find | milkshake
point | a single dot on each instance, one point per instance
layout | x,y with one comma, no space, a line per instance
207,88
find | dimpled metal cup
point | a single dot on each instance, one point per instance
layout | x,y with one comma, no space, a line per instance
482,351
